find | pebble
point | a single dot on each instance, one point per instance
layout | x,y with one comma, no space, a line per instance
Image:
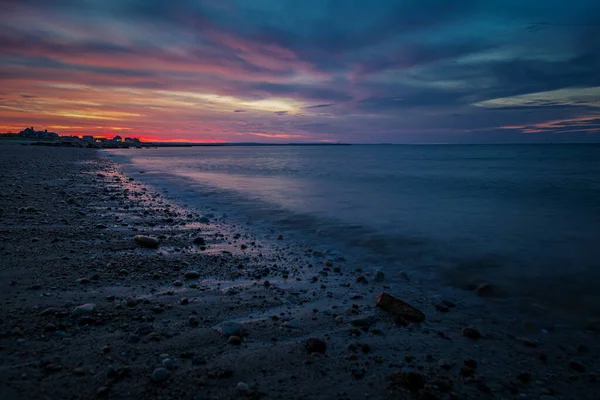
191,275
49,311
168,363
102,391
379,276
147,241
84,309
316,345
577,366
471,333
193,321
242,387
177,283
234,340
361,279
199,241
160,375
183,301
131,302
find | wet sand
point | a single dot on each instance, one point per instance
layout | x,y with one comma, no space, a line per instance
159,322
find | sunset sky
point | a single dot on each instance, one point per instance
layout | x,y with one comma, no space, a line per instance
427,71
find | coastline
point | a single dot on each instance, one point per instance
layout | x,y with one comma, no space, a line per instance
68,221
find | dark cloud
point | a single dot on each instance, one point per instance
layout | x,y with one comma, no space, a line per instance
392,68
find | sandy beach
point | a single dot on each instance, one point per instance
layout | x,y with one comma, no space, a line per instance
220,310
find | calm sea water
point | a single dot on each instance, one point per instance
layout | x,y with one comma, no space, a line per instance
524,217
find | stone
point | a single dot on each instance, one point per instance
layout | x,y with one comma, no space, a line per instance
379,276
400,308
234,340
147,241
131,302
191,275
232,328
204,220
159,375
84,309
168,363
184,301
49,311
102,391
361,279
199,241
471,333
177,283
577,366
193,321
242,387
316,345
78,371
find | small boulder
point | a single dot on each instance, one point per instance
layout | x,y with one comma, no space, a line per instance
199,241
191,275
84,309
147,241
400,308
160,375
471,333
316,345
234,340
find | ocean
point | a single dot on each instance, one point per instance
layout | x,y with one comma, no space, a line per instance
525,218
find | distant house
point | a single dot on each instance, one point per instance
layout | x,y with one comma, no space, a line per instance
87,138
128,140
117,139
32,133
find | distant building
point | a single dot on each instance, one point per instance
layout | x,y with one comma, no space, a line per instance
128,140
32,133
117,139
87,138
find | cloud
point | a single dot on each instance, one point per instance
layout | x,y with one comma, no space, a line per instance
389,71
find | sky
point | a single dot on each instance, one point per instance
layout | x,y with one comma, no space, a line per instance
355,71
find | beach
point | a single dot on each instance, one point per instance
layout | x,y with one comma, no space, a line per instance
222,309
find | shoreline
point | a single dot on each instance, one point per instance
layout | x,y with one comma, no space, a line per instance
113,351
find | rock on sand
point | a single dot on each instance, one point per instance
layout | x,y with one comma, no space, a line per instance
398,307
147,241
